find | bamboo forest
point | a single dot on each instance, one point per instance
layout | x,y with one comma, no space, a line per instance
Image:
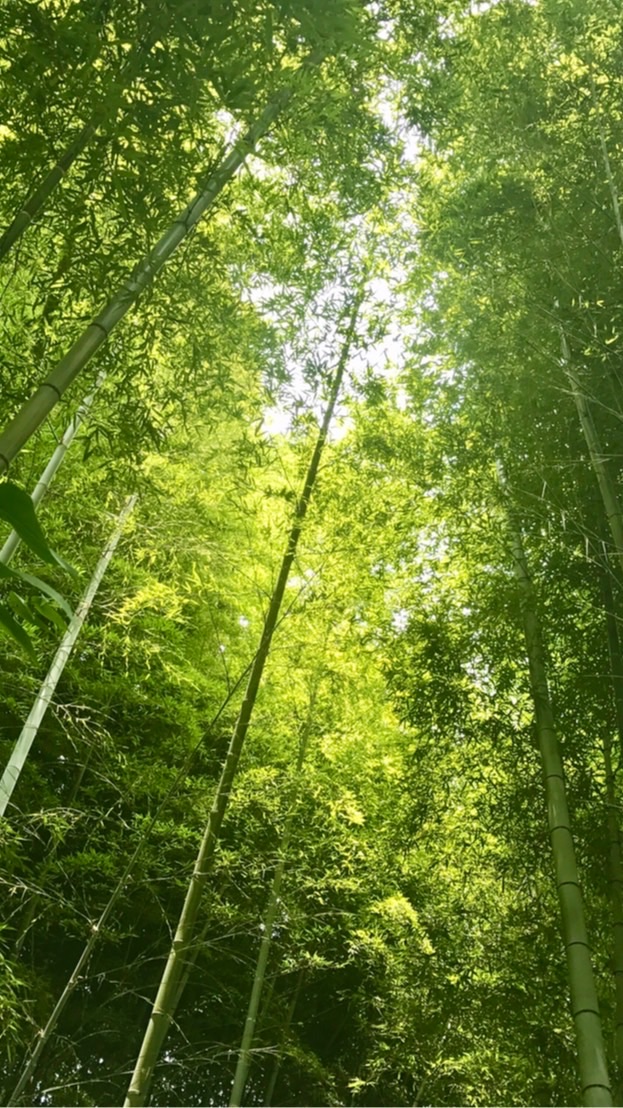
311,560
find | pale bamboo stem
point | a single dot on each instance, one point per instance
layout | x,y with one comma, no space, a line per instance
616,208
612,507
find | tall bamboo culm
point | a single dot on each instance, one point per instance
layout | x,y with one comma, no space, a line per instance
593,1067
171,985
35,410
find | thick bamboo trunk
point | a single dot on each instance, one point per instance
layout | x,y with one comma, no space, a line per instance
44,482
170,989
248,1034
612,507
22,747
584,1004
35,410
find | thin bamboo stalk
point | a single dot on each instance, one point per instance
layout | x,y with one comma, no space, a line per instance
43,400
612,507
46,478
584,1004
44,1036
248,1034
270,1091
36,896
29,731
169,991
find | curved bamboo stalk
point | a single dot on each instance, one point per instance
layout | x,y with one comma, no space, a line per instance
29,731
171,985
584,1004
616,208
34,411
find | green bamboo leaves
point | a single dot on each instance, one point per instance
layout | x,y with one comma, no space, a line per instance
98,331
17,509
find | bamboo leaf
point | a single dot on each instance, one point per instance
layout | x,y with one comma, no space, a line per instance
51,613
36,583
17,509
9,624
20,607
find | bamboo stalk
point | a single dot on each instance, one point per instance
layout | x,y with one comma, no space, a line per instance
169,991
43,400
584,1004
614,644
46,478
248,1034
270,1091
29,731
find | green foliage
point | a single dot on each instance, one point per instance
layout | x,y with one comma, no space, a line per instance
457,150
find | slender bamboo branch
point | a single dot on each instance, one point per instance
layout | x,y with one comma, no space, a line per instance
169,991
46,478
614,644
29,731
35,409
584,1004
